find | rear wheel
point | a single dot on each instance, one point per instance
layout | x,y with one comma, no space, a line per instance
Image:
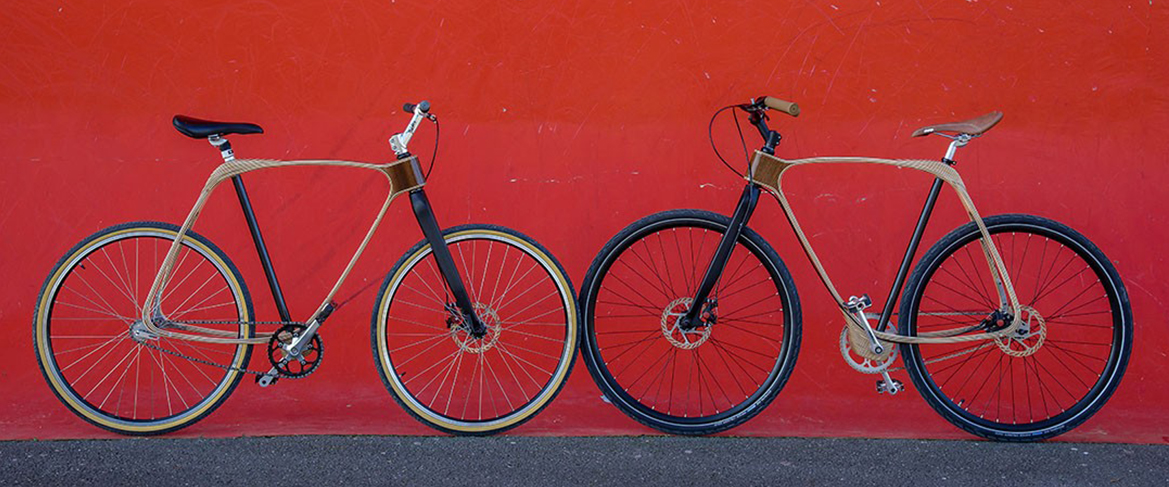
87,318
1049,379
708,379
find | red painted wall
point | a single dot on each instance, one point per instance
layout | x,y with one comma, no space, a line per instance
594,112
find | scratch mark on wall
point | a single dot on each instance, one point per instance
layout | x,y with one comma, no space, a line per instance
843,58
826,16
927,13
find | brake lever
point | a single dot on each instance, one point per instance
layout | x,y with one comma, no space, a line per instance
756,105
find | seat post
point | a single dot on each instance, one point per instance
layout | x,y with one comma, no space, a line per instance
224,147
956,141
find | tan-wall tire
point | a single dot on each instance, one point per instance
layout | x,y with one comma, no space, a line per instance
60,385
381,322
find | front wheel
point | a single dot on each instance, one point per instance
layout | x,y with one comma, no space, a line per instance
1059,371
699,381
447,378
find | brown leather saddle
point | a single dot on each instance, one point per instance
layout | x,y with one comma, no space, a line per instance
974,126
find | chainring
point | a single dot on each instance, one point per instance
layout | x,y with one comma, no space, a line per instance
864,364
298,366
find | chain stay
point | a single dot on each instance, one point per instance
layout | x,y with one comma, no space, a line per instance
229,322
221,366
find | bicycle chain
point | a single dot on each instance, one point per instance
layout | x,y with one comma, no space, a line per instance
228,367
958,354
227,322
930,361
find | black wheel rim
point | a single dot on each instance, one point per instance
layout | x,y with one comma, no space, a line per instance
1056,393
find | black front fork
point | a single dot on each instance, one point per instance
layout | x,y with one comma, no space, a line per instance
743,211
446,264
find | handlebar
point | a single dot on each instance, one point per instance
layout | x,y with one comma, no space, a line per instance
423,106
399,142
781,105
758,108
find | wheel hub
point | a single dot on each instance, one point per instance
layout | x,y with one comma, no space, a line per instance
673,331
467,342
140,333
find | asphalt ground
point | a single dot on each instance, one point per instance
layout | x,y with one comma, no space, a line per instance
627,461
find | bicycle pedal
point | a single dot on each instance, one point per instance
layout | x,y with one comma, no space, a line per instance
859,304
892,388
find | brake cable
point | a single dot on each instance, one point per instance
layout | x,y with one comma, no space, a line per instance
433,155
742,139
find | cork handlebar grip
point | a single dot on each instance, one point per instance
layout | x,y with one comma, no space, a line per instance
781,105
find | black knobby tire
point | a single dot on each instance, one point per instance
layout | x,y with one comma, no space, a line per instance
705,227
507,361
1050,390
87,306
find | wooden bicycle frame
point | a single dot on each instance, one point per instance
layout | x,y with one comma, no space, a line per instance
403,175
767,171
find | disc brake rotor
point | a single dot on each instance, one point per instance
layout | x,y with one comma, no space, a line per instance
1034,332
684,339
490,318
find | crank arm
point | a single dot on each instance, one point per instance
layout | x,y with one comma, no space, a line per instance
293,349
268,378
876,344
889,384
856,306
